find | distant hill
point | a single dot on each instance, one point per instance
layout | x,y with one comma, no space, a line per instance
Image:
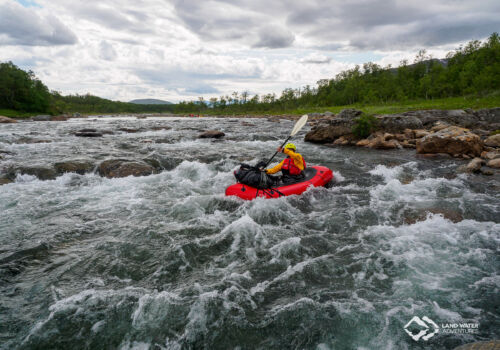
150,101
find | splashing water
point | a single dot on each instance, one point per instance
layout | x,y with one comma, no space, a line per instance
166,261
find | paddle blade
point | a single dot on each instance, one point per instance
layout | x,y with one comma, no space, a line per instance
300,123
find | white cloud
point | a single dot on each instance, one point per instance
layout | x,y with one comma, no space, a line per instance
174,50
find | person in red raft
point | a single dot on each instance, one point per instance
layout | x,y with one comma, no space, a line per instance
292,167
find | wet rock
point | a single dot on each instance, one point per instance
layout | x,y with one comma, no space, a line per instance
129,130
487,172
58,118
407,144
328,114
41,172
494,163
211,134
247,124
41,118
6,120
378,141
157,128
481,345
76,115
74,166
475,165
398,122
114,168
493,141
5,181
88,133
363,143
421,215
452,140
434,155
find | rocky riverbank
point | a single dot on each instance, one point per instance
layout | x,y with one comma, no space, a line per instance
465,134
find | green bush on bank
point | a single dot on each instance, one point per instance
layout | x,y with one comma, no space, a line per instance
364,125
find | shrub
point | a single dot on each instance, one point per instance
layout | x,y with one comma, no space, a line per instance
495,132
364,125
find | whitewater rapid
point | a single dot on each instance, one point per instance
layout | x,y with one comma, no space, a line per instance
166,261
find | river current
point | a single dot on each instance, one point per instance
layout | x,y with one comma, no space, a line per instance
167,261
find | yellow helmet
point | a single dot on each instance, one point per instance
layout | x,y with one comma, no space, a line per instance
291,145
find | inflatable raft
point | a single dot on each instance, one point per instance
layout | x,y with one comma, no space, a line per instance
314,176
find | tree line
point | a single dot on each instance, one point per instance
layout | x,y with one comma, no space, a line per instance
22,91
473,69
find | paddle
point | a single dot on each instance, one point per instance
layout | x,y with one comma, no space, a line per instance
298,125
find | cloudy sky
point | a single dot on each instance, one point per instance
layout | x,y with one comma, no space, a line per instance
180,49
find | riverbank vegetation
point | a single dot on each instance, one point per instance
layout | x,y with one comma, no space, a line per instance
468,77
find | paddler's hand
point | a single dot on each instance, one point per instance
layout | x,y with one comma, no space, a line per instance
279,149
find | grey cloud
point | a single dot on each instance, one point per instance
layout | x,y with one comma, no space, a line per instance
107,51
274,38
23,26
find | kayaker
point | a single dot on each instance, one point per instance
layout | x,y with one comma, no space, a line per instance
292,167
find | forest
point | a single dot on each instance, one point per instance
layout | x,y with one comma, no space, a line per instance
472,69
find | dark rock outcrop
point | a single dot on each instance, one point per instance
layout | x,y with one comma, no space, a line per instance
88,133
114,168
74,166
215,134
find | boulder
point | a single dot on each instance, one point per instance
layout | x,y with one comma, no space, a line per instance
41,118
439,125
494,163
452,140
329,130
398,123
114,168
487,172
74,166
363,143
157,128
211,134
88,133
6,120
129,130
493,141
379,142
41,172
475,165
328,114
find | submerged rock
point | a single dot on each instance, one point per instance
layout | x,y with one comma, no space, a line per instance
74,166
5,181
474,165
6,120
114,168
41,172
452,140
211,134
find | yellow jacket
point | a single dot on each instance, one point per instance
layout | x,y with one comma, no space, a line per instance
296,157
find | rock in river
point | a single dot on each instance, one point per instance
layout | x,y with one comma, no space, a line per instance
211,134
5,120
452,140
74,166
122,168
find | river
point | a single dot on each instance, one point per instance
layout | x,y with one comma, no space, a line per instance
166,261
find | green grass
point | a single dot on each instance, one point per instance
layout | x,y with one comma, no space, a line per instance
16,114
474,102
